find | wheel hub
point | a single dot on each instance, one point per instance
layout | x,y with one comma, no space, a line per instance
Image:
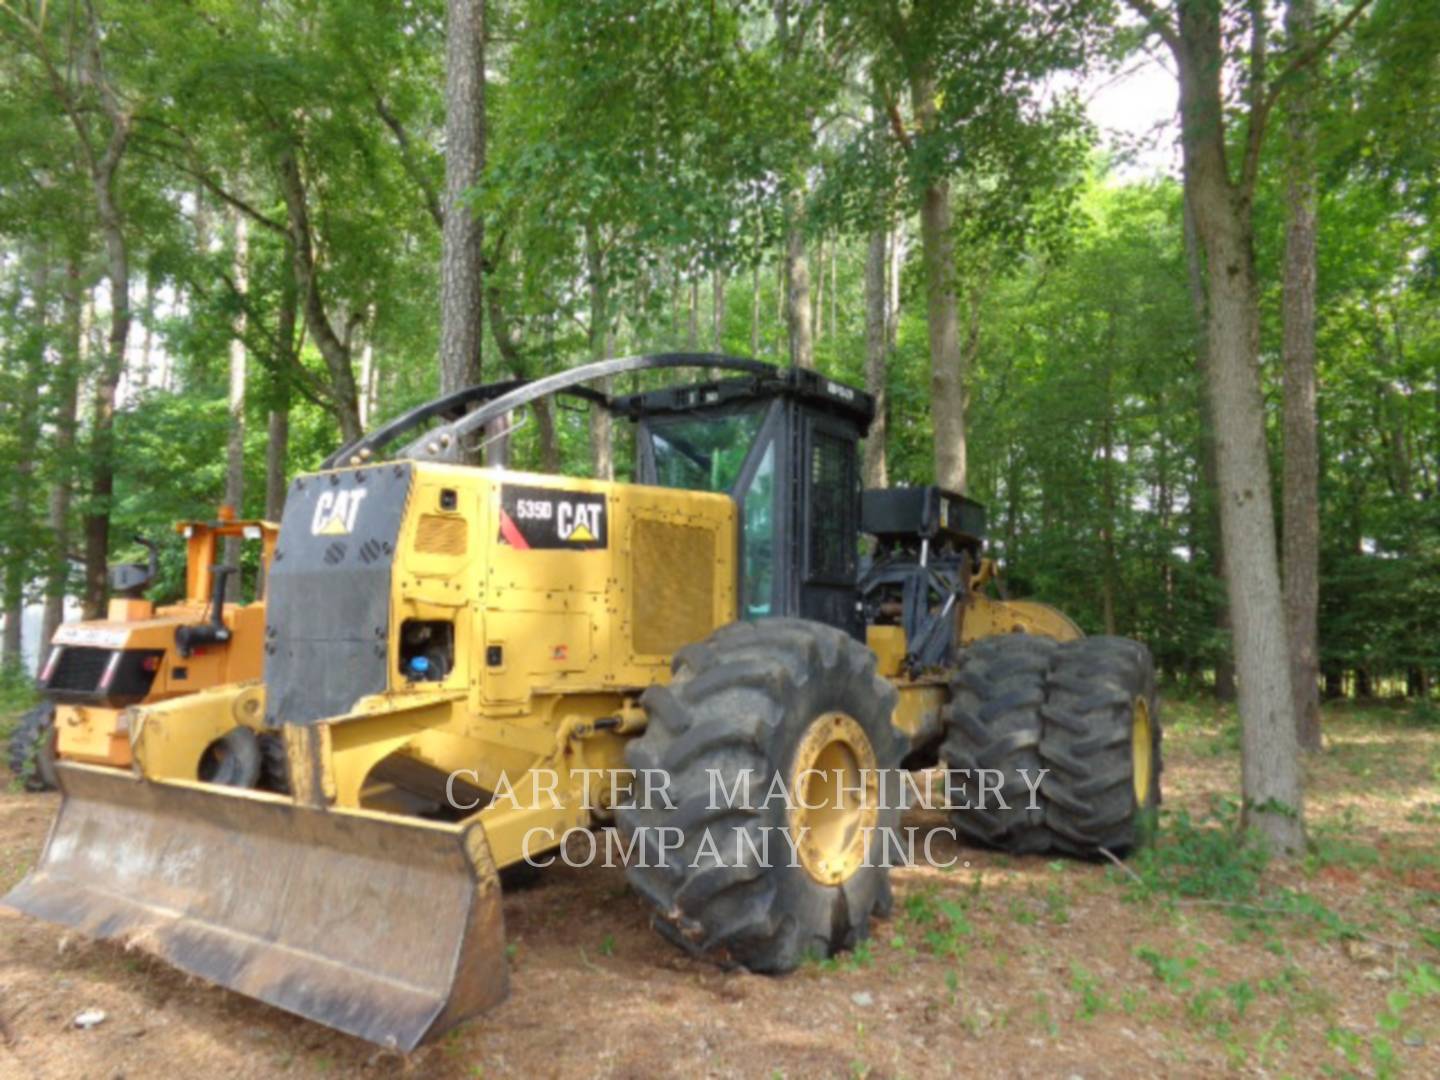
833,794
1142,745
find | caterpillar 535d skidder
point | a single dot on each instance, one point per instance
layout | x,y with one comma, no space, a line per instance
442,636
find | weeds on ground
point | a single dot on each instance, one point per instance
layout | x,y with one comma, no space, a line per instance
1419,984
1205,860
1092,1001
1214,863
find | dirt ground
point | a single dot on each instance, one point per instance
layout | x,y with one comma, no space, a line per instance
998,967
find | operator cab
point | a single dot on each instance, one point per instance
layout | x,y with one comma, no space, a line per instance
785,448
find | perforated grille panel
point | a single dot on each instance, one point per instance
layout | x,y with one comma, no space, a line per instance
674,575
80,668
833,497
439,535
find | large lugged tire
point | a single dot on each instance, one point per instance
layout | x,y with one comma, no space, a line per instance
994,722
1084,711
777,698
32,749
1102,746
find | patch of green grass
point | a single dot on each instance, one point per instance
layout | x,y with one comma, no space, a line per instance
943,922
862,956
1210,859
1425,813
1020,911
1092,1001
1043,1017
1057,905
1241,995
1173,971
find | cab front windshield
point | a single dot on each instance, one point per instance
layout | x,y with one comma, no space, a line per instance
702,454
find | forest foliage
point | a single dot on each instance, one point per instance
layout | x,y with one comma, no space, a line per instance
657,174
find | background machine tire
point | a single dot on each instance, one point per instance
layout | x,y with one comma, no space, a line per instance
32,749
778,697
1087,712
233,760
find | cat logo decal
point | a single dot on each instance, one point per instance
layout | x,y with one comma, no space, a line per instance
335,512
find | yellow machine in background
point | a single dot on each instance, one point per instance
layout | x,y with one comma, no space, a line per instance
467,664
142,653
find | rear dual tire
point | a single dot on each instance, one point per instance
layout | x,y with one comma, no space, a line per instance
1081,716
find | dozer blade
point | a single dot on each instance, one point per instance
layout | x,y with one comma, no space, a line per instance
383,927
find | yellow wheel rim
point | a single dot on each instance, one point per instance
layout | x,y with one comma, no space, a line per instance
833,797
1142,747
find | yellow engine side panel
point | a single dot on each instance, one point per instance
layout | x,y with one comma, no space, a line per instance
559,584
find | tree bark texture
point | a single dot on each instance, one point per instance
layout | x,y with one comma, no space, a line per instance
277,445
948,377
1270,768
692,325
65,388
462,305
235,441
1301,477
342,393
755,310
877,350
112,367
18,529
717,309
947,374
799,316
602,451
1210,508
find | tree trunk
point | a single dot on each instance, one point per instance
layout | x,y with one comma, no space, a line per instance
1210,508
65,386
515,362
876,354
368,376
20,546
798,314
692,325
462,305
947,374
147,346
819,327
948,377
1334,682
235,443
107,380
344,399
1301,480
1108,567
602,451
897,263
834,294
1270,768
755,310
277,445
717,308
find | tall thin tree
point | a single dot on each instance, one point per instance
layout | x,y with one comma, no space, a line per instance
1301,477
461,260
